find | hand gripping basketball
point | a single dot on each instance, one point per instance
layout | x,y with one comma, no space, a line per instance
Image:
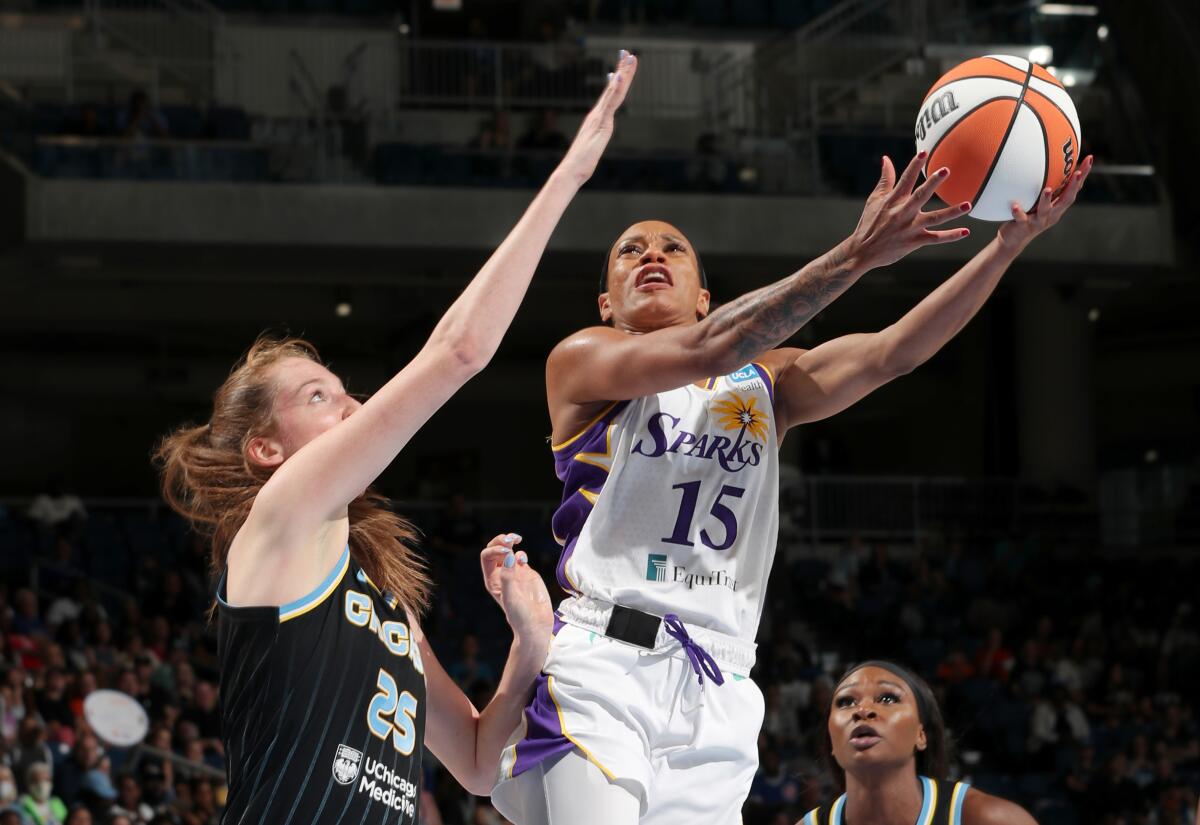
1023,227
892,223
518,589
597,128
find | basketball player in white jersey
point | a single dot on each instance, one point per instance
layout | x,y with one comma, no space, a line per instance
666,427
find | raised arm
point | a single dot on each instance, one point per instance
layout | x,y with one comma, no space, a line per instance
314,486
603,364
469,741
815,384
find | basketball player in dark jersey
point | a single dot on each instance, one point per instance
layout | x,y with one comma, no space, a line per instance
888,744
329,690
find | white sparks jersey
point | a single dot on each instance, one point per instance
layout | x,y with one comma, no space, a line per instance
671,502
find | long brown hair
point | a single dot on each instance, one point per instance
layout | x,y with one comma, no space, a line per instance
207,478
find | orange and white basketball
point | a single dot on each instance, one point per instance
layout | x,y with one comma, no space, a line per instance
1005,127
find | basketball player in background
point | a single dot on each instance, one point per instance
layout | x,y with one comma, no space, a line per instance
889,754
329,689
666,428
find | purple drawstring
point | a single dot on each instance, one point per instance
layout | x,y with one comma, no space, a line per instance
702,663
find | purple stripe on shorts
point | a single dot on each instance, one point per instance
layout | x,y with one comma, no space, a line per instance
544,738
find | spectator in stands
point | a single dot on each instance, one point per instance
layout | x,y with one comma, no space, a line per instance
1112,792
79,815
26,621
12,711
140,120
543,134
205,715
97,791
993,660
494,134
52,702
71,774
58,511
772,787
129,802
1081,777
1056,720
38,804
8,787
470,669
155,793
31,748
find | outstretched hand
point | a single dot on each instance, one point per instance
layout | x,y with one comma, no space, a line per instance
518,589
892,223
1023,227
597,128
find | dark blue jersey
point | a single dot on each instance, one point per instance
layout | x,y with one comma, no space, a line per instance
322,707
942,805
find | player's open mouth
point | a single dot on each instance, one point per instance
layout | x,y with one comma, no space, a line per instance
653,276
864,738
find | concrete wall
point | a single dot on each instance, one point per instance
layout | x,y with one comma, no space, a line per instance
384,217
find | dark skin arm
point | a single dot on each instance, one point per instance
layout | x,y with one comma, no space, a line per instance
599,365
980,808
814,384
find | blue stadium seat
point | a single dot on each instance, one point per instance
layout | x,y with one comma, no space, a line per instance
228,123
184,122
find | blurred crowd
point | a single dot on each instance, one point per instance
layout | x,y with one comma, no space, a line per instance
1067,679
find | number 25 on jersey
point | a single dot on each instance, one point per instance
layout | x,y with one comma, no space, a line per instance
393,714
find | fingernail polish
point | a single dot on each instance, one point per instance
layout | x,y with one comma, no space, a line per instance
510,560
966,232
921,155
511,537
621,55
965,206
943,172
611,75
522,558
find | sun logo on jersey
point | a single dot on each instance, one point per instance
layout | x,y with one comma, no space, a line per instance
739,413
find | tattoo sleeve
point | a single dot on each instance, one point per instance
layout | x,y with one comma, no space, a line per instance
763,319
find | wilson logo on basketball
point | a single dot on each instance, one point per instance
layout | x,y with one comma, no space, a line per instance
934,111
1068,156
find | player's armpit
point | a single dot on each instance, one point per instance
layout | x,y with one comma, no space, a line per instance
814,384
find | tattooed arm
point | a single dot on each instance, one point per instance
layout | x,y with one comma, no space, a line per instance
603,364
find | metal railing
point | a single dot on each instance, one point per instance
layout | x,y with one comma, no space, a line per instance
151,159
671,82
815,507
824,508
182,38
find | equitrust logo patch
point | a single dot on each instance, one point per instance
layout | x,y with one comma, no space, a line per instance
656,567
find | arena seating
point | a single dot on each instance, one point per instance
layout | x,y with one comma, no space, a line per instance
119,600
